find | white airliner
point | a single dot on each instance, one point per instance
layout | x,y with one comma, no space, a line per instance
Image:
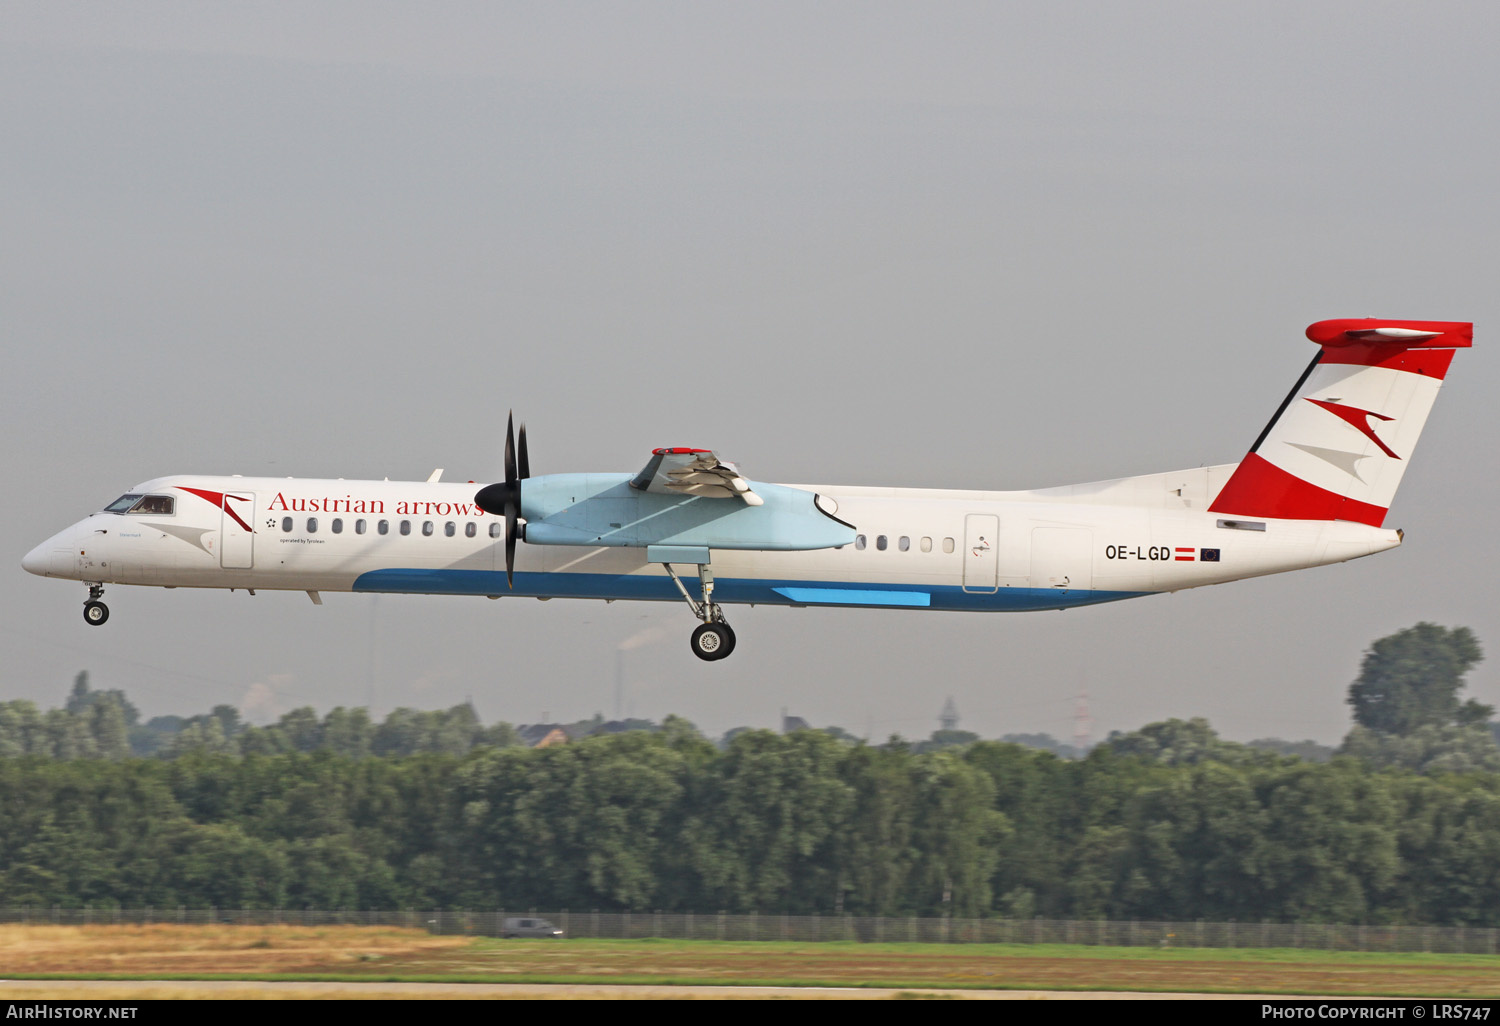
1313,490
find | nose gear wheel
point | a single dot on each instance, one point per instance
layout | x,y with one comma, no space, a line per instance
94,611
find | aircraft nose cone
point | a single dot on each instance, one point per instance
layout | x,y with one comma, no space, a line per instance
35,561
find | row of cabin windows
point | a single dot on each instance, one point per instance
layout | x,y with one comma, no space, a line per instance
903,543
471,529
450,529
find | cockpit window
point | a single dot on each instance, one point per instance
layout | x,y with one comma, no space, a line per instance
161,505
158,505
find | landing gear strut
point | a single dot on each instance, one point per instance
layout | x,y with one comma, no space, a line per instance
94,611
714,638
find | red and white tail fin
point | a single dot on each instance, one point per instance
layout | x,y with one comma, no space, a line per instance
1338,446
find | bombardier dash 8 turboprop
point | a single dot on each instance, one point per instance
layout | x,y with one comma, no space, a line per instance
1313,489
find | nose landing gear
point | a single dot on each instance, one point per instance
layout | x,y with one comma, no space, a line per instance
714,638
94,611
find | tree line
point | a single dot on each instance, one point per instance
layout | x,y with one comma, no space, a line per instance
800,823
105,724
1169,822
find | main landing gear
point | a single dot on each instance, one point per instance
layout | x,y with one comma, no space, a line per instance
94,611
714,638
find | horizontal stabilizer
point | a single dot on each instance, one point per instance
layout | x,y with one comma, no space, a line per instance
1408,334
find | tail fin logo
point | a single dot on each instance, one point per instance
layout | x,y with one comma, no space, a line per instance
1357,419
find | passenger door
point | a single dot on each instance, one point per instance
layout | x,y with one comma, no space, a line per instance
237,533
981,553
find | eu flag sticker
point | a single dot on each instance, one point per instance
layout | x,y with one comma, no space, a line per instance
1208,555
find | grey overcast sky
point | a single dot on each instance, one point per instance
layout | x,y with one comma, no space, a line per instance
992,245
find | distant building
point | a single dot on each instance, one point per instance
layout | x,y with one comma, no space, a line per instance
948,718
791,723
542,735
554,737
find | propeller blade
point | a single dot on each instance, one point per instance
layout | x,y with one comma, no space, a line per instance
510,448
510,547
504,497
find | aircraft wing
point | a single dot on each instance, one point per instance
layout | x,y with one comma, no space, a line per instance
699,472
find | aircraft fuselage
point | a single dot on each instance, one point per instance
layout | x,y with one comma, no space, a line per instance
913,548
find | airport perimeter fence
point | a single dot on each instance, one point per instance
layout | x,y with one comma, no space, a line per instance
777,927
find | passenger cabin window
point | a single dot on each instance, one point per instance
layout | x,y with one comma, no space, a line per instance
926,544
359,527
286,524
427,528
450,529
495,531
904,544
471,529
947,544
312,525
859,542
384,527
880,542
406,527
337,526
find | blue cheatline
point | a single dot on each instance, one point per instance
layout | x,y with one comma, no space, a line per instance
855,597
733,590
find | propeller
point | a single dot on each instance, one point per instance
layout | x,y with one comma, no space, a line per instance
504,498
